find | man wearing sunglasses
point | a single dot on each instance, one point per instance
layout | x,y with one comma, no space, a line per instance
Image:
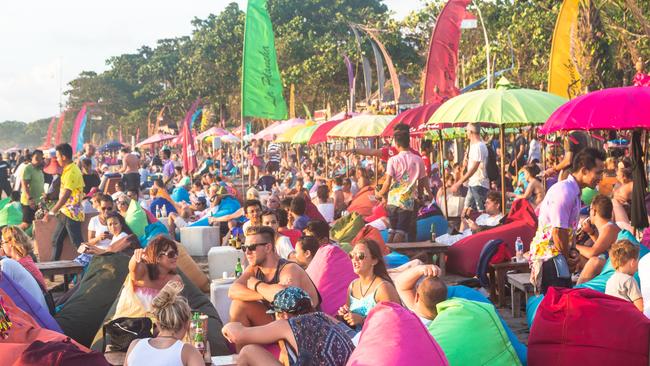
267,275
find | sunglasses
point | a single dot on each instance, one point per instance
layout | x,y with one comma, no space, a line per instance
358,256
251,247
122,203
171,254
106,208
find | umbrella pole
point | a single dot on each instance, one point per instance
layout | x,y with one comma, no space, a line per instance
376,161
502,139
544,164
442,172
327,161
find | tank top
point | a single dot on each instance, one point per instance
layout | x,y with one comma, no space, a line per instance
145,354
276,279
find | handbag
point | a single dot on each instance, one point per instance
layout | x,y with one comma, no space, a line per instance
122,331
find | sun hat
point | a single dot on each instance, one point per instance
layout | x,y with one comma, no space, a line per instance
290,300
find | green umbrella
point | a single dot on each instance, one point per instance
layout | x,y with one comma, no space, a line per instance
447,134
302,137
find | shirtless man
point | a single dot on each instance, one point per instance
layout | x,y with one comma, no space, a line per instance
130,169
622,195
266,275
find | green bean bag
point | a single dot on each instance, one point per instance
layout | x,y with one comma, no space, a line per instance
11,214
347,227
136,218
471,333
82,315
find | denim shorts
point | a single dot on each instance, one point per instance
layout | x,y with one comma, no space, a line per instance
476,197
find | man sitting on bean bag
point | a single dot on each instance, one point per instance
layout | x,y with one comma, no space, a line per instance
422,298
490,218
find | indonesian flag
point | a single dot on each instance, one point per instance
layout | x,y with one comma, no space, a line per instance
469,21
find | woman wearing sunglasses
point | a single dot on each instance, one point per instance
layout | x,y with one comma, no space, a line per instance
149,271
373,285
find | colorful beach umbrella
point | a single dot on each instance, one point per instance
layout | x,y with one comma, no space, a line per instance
302,137
212,131
278,128
287,136
159,137
365,125
608,109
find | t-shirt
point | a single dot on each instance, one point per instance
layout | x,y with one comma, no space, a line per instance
283,246
4,170
623,286
168,169
36,180
520,143
388,152
644,276
119,237
273,151
266,183
478,152
487,220
90,181
23,278
72,180
95,225
405,168
300,223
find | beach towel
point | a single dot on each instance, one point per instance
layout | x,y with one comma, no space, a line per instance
363,202
393,335
331,271
586,327
28,304
136,219
486,344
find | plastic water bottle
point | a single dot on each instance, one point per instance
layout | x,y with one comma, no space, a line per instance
519,249
164,211
157,212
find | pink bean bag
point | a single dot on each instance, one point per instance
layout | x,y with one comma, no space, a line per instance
393,335
586,327
462,257
331,270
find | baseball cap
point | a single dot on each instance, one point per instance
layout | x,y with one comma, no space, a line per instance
290,300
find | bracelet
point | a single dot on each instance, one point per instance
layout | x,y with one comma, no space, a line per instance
257,284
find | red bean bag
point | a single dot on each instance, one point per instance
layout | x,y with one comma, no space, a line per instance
462,257
393,335
25,330
361,202
586,327
331,270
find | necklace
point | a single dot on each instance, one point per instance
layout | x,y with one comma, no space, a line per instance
363,294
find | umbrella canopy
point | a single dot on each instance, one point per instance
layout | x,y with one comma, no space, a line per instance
302,137
365,125
287,136
278,128
607,109
111,146
639,215
212,131
230,139
414,118
501,106
320,134
159,137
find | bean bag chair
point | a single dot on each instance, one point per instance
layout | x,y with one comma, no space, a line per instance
369,232
24,331
423,228
159,203
136,219
151,231
11,214
393,335
228,206
531,308
28,304
81,316
362,203
346,228
585,327
180,194
463,256
468,293
331,271
186,264
197,300
486,344
395,259
588,195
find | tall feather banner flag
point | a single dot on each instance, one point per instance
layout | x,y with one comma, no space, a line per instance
261,83
351,81
189,151
563,76
77,139
48,137
381,76
59,129
397,91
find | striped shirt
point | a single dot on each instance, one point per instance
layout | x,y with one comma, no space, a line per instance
274,152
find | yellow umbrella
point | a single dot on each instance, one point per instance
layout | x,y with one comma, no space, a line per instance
363,125
287,136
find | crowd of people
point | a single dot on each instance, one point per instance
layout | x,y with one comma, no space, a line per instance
281,220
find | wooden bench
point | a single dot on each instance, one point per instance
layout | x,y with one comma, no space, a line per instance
497,273
65,268
519,282
424,250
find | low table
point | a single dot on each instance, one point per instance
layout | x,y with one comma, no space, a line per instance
497,274
65,268
519,282
427,248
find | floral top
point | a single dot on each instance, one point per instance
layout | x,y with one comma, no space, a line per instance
72,179
406,169
320,341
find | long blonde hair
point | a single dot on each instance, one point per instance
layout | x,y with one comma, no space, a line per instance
21,244
171,310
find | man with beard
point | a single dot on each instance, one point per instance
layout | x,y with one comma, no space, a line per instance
32,181
266,275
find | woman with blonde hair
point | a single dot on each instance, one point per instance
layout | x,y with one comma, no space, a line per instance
172,316
17,246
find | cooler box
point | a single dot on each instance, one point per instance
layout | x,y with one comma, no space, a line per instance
199,239
219,297
223,259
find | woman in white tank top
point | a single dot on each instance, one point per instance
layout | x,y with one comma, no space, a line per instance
172,314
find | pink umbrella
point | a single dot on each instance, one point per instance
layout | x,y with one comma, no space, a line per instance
159,137
414,118
212,131
608,109
277,129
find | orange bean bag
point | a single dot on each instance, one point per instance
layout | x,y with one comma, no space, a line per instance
361,202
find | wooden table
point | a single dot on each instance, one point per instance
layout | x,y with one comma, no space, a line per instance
65,268
519,282
425,249
497,273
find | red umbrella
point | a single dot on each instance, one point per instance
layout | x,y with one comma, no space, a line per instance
414,118
159,137
320,135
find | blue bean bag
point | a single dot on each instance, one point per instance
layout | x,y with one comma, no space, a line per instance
468,293
160,202
423,231
151,231
180,194
227,206
395,259
28,304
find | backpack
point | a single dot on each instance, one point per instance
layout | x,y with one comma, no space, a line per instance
492,167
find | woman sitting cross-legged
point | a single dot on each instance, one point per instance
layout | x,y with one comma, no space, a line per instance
373,285
172,316
306,337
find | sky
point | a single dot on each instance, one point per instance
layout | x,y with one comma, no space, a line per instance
45,43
